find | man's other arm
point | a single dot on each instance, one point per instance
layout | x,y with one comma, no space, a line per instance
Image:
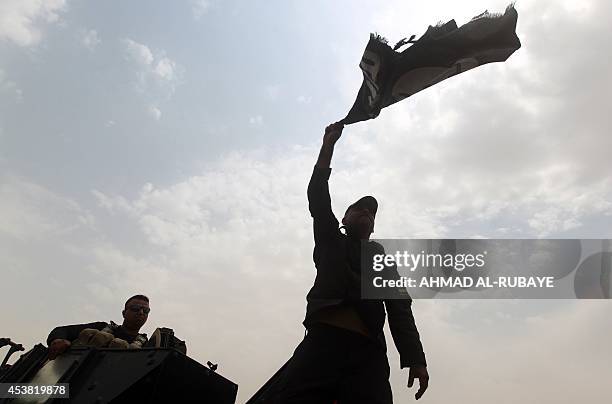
404,332
60,339
408,342
71,332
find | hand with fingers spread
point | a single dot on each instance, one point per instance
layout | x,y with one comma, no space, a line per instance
419,372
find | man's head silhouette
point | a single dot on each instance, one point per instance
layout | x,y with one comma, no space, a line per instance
359,217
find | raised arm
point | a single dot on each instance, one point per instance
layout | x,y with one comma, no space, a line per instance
319,200
331,136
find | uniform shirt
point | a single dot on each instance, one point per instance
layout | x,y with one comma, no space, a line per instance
71,332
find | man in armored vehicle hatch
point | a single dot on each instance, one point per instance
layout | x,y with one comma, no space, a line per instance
102,334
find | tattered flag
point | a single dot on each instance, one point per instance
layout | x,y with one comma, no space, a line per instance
442,52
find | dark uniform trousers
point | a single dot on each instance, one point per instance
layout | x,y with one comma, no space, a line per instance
332,365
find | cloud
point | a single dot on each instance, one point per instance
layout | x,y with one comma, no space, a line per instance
29,211
10,86
302,99
138,52
236,190
199,8
156,74
154,112
22,21
256,120
90,39
165,69
272,91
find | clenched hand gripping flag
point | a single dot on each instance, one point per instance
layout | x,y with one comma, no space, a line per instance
442,52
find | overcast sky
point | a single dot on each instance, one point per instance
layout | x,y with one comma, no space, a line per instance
164,148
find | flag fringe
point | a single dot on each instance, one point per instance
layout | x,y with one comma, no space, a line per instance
487,14
379,38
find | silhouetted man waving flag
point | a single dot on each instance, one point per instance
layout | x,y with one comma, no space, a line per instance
343,355
443,51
